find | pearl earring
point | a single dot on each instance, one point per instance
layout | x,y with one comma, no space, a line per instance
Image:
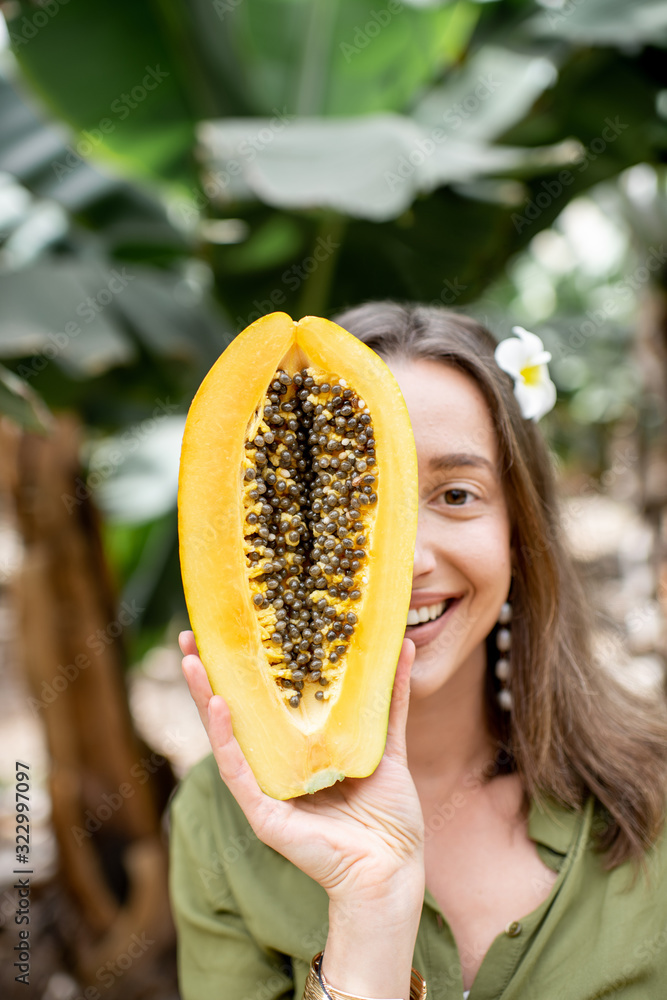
504,644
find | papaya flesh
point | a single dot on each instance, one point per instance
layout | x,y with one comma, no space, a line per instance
297,520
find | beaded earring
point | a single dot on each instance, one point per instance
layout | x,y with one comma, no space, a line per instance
503,645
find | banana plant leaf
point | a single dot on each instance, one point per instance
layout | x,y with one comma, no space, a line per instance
372,167
342,57
107,71
133,79
495,88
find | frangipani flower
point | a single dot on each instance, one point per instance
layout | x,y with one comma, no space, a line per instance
524,358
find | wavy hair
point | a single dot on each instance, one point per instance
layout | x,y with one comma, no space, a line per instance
574,729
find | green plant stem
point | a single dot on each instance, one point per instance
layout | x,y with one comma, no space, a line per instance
315,291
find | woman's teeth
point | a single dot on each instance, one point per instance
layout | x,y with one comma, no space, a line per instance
417,616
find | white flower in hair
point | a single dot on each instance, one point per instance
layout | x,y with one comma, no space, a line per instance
524,358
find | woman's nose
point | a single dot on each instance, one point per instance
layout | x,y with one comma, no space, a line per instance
424,561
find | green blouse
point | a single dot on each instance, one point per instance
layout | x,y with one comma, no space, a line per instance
249,922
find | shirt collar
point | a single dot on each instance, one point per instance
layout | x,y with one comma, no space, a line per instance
553,825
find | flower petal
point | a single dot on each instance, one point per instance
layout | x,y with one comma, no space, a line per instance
540,359
511,355
533,343
535,400
525,359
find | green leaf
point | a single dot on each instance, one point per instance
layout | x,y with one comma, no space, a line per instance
338,57
272,243
495,89
109,71
81,316
60,312
173,317
370,167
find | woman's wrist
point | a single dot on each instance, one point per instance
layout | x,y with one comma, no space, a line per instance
371,940
317,987
403,887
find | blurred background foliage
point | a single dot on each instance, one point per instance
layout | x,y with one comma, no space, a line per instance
170,170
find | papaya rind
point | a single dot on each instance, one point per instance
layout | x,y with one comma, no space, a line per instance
289,754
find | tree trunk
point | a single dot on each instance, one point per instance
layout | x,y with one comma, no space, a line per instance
107,790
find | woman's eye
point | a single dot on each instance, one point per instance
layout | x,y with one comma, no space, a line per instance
456,498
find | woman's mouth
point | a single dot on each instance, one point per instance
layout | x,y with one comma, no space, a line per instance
425,622
418,616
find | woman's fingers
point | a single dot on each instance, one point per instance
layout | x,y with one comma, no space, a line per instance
236,772
214,714
400,699
186,640
195,675
198,682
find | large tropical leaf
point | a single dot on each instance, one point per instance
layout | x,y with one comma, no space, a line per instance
341,57
493,90
59,312
109,72
371,167
133,79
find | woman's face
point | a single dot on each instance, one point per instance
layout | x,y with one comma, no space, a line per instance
462,567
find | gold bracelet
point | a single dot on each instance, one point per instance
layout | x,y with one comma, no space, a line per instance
317,988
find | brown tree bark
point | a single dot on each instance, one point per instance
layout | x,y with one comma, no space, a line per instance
106,805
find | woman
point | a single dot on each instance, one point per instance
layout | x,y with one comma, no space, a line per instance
495,847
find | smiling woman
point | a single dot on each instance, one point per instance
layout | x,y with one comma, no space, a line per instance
494,847
462,568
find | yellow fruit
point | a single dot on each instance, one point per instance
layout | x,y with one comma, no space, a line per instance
297,521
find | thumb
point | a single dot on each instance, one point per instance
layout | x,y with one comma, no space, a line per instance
400,700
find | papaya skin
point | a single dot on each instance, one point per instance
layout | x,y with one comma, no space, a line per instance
294,751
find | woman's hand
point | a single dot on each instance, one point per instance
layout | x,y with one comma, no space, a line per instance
361,838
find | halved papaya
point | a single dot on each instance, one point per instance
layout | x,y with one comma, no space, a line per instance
297,520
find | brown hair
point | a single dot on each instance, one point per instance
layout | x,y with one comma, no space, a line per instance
573,729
